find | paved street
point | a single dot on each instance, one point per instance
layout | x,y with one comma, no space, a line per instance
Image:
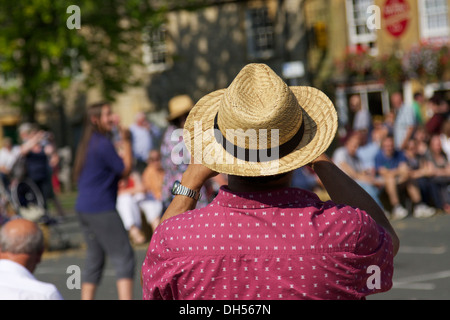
55,263
422,267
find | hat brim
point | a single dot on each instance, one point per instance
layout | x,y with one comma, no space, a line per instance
178,114
320,125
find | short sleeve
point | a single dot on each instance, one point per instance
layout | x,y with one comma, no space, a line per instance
157,270
374,259
378,160
339,156
401,157
110,157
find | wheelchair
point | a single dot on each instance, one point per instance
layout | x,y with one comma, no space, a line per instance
22,198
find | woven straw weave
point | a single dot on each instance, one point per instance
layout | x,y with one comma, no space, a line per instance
259,99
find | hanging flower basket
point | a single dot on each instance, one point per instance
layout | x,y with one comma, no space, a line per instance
356,65
424,62
388,69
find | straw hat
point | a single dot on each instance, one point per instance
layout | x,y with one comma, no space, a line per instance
179,105
232,130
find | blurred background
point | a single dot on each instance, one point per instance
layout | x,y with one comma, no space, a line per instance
57,57
138,54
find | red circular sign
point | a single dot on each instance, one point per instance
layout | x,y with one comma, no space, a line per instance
396,16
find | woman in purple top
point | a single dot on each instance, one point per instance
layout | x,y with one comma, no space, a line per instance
97,169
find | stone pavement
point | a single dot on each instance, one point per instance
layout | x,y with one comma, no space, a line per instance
67,249
422,266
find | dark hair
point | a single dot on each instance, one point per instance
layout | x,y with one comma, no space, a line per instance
417,94
177,122
261,179
94,110
436,99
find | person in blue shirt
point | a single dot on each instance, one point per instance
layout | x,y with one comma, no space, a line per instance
98,169
392,167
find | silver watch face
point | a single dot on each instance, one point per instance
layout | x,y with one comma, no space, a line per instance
175,186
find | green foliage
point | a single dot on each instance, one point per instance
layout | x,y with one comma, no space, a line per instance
424,62
39,54
388,69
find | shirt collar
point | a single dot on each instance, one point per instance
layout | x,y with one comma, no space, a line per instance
263,199
11,266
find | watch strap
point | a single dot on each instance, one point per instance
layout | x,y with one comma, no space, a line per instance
185,191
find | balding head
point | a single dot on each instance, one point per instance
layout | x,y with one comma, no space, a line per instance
22,241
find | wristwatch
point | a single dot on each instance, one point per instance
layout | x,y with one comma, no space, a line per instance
178,188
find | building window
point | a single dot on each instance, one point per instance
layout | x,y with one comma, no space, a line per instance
360,36
8,78
433,19
260,33
155,54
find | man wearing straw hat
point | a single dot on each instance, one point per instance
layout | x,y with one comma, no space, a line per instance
260,238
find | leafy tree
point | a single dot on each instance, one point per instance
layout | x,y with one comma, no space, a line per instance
40,54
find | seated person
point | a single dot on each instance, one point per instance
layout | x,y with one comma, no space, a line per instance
392,167
128,208
348,161
370,145
422,171
440,173
152,180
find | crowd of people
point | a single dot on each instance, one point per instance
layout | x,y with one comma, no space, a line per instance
148,188
125,174
402,159
36,159
260,238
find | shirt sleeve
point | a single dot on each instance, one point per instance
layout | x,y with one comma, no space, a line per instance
373,259
339,156
157,271
401,157
110,157
378,161
410,117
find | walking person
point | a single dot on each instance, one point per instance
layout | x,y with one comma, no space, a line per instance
98,169
260,238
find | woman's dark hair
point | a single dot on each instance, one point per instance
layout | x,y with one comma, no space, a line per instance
93,111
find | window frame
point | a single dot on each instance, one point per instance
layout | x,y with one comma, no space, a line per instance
427,33
356,39
251,33
160,47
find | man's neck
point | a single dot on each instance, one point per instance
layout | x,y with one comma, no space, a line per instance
237,184
25,260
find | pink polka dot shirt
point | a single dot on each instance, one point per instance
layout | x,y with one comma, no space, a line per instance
284,244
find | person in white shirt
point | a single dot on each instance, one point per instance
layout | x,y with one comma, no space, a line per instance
445,137
362,119
347,159
8,156
21,248
405,121
143,134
